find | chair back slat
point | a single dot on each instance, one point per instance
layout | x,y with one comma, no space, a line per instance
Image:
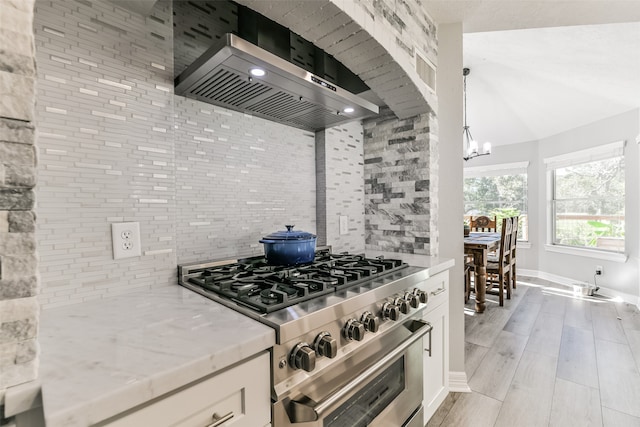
512,255
483,223
514,232
505,240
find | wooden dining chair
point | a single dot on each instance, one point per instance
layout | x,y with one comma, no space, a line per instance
467,281
498,271
512,256
483,223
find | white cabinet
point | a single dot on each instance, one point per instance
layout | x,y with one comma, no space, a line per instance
237,397
436,354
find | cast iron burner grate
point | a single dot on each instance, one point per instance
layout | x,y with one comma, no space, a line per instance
253,283
268,293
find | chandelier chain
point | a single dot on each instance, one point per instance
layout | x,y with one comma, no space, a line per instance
466,132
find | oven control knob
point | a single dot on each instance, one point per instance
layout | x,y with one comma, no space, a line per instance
414,300
354,330
326,345
422,295
402,304
303,357
370,321
390,311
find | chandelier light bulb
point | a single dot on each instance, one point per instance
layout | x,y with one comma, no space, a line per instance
486,148
473,147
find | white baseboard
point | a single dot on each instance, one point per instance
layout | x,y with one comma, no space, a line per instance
458,382
566,281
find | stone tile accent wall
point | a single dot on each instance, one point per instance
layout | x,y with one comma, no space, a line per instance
400,184
19,282
340,186
105,113
238,179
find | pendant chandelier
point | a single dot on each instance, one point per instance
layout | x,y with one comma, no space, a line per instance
470,144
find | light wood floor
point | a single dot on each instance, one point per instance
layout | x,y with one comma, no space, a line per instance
548,359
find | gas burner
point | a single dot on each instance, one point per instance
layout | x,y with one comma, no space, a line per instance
347,258
313,285
277,294
241,287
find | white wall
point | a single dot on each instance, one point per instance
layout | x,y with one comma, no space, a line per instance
451,210
619,279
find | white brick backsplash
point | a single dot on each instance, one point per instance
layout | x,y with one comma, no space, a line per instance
215,203
204,182
97,163
270,179
55,110
340,168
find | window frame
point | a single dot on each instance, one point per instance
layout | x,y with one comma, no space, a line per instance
598,153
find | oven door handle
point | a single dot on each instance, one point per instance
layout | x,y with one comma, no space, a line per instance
306,410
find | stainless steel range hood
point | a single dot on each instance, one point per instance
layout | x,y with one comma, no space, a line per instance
286,93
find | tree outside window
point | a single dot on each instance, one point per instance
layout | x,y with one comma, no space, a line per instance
588,204
498,195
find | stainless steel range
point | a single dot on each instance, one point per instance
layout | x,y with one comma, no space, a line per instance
348,329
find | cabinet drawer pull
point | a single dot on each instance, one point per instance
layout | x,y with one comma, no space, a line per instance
218,421
438,291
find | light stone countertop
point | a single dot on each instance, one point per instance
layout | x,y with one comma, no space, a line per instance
106,356
103,357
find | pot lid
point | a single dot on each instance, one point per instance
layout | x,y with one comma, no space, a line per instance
289,234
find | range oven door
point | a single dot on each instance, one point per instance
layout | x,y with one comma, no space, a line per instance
379,385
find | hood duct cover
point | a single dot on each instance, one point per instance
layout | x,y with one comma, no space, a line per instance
286,93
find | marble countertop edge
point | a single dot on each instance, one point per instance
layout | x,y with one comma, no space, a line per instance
148,389
93,369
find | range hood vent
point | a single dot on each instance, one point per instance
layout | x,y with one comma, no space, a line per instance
286,93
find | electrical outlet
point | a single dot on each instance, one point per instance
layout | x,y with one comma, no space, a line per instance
599,270
125,237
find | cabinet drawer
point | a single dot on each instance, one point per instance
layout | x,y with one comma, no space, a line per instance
242,391
438,289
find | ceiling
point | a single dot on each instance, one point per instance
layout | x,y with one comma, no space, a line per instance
539,68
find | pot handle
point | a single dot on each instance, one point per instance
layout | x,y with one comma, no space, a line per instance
289,227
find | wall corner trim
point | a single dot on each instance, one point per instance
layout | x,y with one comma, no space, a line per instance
458,382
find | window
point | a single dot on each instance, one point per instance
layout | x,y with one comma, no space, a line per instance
587,198
498,190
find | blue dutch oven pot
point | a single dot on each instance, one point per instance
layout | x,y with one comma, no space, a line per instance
289,247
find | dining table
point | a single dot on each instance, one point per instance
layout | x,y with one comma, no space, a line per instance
478,245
